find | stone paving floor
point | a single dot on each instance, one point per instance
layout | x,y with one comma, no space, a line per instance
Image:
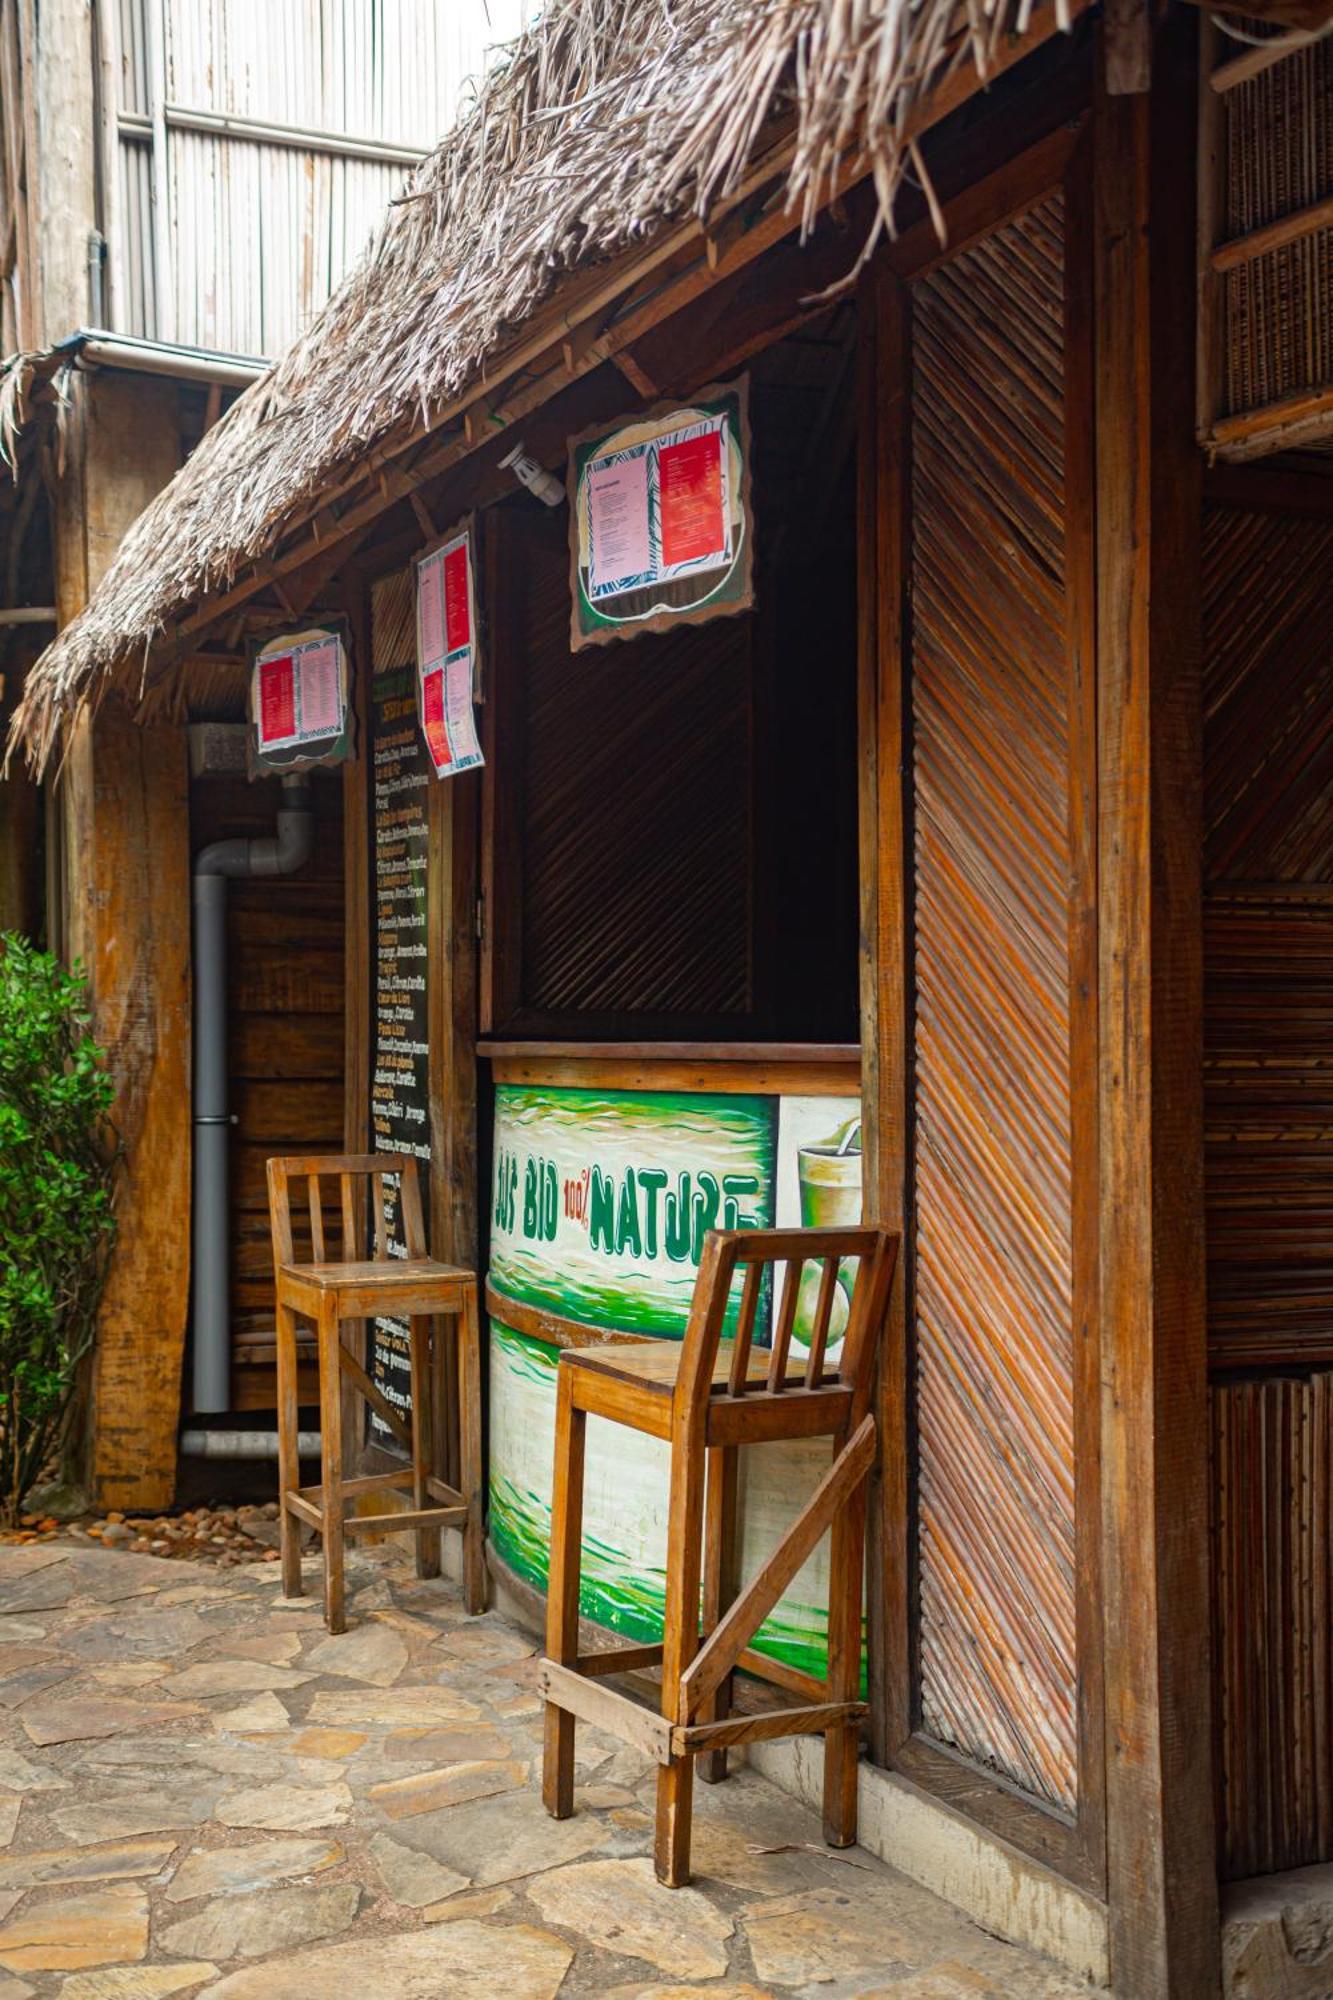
201,1792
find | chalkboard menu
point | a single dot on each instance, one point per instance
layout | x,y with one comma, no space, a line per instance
400,1086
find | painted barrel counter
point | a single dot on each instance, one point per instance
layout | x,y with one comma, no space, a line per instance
606,1174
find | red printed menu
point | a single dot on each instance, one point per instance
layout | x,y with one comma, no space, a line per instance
694,522
277,701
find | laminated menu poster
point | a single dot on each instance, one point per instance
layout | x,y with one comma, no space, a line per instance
447,653
660,524
298,698
401,777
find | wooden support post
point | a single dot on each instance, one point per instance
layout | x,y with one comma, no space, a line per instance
882,526
1161,1876
123,899
129,901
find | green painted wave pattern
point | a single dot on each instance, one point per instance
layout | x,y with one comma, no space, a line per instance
631,1604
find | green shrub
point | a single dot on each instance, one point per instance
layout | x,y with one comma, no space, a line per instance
58,1157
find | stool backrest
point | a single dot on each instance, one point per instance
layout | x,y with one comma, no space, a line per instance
352,1172
755,1251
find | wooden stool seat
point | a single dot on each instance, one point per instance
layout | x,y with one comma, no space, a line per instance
641,1384
707,1396
338,1295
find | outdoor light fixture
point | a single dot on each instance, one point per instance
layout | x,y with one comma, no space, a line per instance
535,477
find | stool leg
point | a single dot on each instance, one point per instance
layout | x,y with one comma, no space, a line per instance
423,1457
680,1642
469,1434
562,1596
289,1472
842,1745
331,1470
721,1582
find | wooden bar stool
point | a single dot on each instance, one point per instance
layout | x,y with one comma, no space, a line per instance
707,1397
415,1288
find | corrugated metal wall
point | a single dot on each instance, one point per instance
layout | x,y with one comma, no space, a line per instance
275,136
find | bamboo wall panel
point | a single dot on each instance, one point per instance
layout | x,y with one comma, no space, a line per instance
1268,778
993,1256
635,805
1273,1582
1268,1012
1277,139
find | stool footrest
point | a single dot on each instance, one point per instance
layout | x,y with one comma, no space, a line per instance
605,1708
618,1660
422,1517
690,1737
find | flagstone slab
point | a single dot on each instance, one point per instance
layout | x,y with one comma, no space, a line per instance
16,1688
487,1642
20,1631
398,1708
77,1720
250,1926
623,1908
263,1716
287,1808
411,1878
13,1988
826,1934
19,1559
180,1802
502,1839
459,1909
465,1961
135,1982
277,1648
234,1871
454,1785
370,1652
155,1632
327,1743
65,1933
118,1860
671,1992
446,1746
9,1816
130,1673
19,1774
232,1677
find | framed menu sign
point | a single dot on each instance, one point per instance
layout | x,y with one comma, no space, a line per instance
660,525
447,652
400,780
298,699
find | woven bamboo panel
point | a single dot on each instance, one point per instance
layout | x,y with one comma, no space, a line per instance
635,792
1273,1581
1278,141
992,1035
1268,941
393,627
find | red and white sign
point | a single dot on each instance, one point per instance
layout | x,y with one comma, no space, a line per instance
693,500
447,654
299,693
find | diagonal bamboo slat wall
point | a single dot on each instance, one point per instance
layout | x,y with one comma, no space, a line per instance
1268,942
993,1205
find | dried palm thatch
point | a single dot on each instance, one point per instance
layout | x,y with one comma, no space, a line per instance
32,387
610,121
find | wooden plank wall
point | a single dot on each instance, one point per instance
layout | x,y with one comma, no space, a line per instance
1268,740
285,1008
992,1033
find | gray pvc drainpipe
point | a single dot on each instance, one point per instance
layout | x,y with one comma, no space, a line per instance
275,854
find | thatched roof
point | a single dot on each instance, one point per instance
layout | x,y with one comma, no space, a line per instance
610,121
